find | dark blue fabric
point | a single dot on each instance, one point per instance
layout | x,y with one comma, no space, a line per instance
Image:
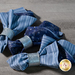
29,13
69,49
48,56
36,33
17,23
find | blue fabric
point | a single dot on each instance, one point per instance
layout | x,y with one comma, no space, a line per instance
28,12
69,49
46,41
48,56
36,33
16,22
66,49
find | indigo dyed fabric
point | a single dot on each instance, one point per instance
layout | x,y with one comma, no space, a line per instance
69,49
66,49
36,33
50,55
16,22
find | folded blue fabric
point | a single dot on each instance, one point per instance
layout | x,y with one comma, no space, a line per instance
66,49
14,22
48,55
69,49
35,34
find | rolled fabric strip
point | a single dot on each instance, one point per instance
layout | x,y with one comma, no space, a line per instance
48,55
14,22
35,34
34,59
8,32
26,41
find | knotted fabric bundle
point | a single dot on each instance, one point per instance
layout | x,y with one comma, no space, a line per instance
14,22
48,55
33,36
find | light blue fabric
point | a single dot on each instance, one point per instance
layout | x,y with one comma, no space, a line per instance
65,45
17,23
48,56
35,34
69,49
19,61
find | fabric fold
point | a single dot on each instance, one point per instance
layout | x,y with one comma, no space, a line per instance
17,23
69,49
35,34
49,55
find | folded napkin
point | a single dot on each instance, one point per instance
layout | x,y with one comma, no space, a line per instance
14,22
69,49
33,36
48,55
66,49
